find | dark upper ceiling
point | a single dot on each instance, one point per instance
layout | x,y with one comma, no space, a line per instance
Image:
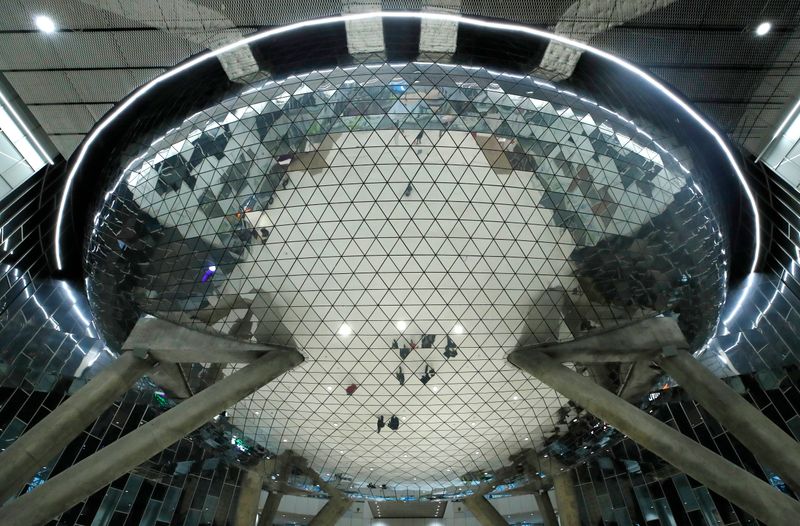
407,509
105,49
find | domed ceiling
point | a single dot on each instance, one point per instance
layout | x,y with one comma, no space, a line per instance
423,219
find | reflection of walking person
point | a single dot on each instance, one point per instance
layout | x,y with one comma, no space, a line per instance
394,423
429,373
404,352
400,376
381,423
450,349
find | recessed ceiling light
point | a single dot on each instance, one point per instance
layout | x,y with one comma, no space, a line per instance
285,440
403,419
763,28
458,329
435,388
329,388
516,398
45,24
401,326
345,330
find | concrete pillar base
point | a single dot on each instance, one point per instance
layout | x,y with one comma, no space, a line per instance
250,483
567,498
546,508
270,509
483,510
331,512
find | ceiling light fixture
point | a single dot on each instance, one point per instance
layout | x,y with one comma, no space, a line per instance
401,326
440,17
345,330
763,28
458,329
45,24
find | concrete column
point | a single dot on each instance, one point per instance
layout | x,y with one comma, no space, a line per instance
748,492
331,512
567,498
270,508
84,478
249,495
546,508
283,463
483,510
768,443
40,444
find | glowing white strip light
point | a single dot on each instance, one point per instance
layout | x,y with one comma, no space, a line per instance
780,129
442,17
28,133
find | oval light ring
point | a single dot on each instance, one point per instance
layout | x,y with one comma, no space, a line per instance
440,17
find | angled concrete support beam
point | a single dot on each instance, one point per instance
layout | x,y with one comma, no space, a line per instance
331,512
765,440
627,343
84,478
165,341
249,495
546,508
483,511
563,485
35,448
745,490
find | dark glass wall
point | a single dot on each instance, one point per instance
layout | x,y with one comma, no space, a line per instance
757,347
49,349
626,484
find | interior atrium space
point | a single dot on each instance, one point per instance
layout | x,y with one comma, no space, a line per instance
399,264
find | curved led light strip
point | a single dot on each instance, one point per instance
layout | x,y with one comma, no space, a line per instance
441,17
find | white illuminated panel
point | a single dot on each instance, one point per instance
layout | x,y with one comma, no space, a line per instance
19,158
782,154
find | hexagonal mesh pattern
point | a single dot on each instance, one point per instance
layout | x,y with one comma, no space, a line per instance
405,227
